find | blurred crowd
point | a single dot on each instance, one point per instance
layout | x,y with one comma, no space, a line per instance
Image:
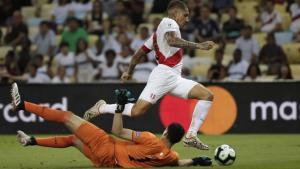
92,41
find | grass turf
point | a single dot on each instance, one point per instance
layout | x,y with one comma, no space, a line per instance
253,152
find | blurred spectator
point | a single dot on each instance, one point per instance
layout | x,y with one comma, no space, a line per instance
45,40
80,9
217,71
11,64
136,11
295,14
108,5
272,55
156,21
159,6
36,20
116,43
248,45
66,59
140,40
73,34
206,28
270,19
238,67
39,61
61,77
98,50
285,72
34,77
17,30
85,61
253,73
187,62
232,28
124,59
60,12
108,70
7,9
24,55
142,70
97,16
221,6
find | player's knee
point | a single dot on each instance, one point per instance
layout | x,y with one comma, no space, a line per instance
209,96
136,112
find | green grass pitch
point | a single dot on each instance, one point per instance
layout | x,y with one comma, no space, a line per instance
253,152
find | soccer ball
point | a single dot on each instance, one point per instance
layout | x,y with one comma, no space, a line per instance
224,155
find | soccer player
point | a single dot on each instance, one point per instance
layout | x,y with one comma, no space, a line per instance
166,77
142,149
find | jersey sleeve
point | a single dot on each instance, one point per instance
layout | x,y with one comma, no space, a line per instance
148,45
143,137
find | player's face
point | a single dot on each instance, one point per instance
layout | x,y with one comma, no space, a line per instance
183,17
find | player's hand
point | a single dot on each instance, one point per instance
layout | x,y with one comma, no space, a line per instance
125,77
206,45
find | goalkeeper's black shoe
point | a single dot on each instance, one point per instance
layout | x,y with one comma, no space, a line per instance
202,161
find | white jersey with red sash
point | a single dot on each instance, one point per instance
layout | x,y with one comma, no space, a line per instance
165,54
165,78
295,14
269,21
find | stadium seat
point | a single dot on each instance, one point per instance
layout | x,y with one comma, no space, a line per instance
46,14
295,68
58,39
28,12
152,17
263,68
230,47
261,38
200,70
4,50
280,8
292,50
286,20
33,31
92,40
206,53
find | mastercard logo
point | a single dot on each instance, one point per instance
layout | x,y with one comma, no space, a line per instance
219,120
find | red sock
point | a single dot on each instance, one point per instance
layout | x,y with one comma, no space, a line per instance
56,142
47,113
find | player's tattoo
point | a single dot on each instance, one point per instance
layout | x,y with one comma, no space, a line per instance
178,42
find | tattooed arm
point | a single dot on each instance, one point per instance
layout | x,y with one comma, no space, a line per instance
181,43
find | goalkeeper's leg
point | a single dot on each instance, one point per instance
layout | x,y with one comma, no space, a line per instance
55,142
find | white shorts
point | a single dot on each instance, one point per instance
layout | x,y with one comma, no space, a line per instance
164,80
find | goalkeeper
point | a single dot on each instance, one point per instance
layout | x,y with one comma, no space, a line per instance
137,149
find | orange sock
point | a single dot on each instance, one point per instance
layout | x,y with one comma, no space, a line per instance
47,113
56,142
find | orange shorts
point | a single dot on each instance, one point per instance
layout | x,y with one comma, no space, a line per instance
99,143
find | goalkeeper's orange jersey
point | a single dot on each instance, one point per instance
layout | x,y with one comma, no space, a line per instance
145,150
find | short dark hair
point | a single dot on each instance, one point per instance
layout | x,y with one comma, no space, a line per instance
63,44
176,4
175,133
46,23
248,27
